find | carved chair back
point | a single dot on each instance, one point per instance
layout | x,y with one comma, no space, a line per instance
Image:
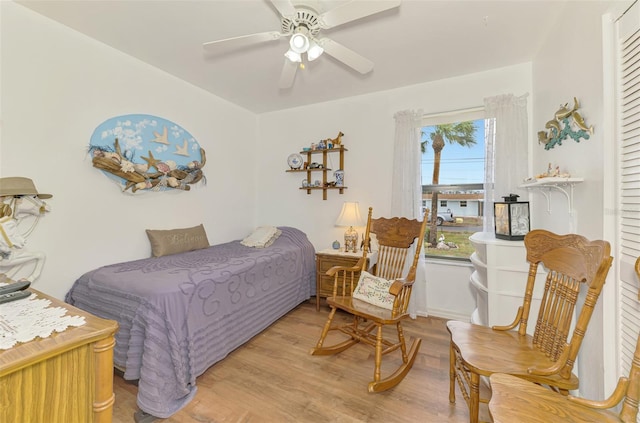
394,237
571,261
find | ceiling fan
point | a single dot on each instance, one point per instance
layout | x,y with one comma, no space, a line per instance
302,23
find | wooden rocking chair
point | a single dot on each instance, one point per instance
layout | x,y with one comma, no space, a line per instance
395,237
514,399
547,357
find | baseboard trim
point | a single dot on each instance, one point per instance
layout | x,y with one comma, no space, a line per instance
448,314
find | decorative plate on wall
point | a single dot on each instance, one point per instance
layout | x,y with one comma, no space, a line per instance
149,153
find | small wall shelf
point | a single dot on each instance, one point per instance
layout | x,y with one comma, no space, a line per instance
545,185
325,152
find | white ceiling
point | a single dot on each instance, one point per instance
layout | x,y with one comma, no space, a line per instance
420,41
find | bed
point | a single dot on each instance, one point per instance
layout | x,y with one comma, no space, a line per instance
179,314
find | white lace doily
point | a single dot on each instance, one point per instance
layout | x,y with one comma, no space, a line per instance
24,320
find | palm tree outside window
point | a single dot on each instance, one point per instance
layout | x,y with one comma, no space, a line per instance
453,174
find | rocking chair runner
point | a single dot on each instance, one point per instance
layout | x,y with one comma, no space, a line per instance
395,237
518,400
547,357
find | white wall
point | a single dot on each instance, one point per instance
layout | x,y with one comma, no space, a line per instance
57,86
570,65
368,124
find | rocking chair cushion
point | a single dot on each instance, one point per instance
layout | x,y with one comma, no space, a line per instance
374,290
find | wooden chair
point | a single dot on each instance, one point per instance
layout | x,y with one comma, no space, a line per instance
395,237
514,399
547,357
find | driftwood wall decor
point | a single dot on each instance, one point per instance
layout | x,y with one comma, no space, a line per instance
147,153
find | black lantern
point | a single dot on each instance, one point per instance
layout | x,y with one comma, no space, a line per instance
511,218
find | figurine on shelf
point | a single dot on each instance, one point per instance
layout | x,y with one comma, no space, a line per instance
338,140
553,172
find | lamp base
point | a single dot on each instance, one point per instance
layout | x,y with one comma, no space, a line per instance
351,240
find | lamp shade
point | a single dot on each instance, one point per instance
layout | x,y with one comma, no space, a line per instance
315,50
299,41
293,56
350,215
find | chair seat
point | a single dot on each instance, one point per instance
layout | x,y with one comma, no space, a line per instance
489,351
364,309
516,400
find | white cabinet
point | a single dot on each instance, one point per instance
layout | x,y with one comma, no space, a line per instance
499,279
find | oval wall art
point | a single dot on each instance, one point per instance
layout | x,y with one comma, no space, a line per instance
147,153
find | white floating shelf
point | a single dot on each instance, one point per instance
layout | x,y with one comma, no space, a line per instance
564,185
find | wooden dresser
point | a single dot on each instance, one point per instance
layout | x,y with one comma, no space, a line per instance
67,377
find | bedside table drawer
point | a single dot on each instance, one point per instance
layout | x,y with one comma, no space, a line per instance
329,262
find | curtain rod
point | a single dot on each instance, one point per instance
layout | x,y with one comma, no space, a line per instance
453,112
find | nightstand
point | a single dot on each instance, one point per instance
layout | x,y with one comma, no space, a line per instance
325,260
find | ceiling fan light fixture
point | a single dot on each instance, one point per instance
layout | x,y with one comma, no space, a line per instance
299,41
314,51
293,56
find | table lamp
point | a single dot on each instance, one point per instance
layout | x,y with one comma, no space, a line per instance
350,216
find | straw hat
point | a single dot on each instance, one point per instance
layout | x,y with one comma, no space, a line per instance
17,185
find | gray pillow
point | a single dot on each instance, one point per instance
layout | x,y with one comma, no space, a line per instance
174,241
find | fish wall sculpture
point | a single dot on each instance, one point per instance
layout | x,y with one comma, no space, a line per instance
567,122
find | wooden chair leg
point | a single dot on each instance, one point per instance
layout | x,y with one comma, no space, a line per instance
376,371
403,345
320,349
452,374
325,330
474,400
397,376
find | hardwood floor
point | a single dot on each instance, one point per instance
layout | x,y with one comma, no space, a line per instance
273,378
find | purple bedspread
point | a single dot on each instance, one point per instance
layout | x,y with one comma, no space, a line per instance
182,313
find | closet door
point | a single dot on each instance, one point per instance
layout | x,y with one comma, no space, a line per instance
628,76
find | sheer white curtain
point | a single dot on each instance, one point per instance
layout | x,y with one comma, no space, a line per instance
406,190
506,150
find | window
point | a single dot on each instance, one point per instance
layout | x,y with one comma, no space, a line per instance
453,161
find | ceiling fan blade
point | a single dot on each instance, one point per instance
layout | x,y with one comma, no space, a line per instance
285,8
288,73
346,56
355,10
242,41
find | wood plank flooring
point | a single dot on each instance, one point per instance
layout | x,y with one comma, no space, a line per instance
273,378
